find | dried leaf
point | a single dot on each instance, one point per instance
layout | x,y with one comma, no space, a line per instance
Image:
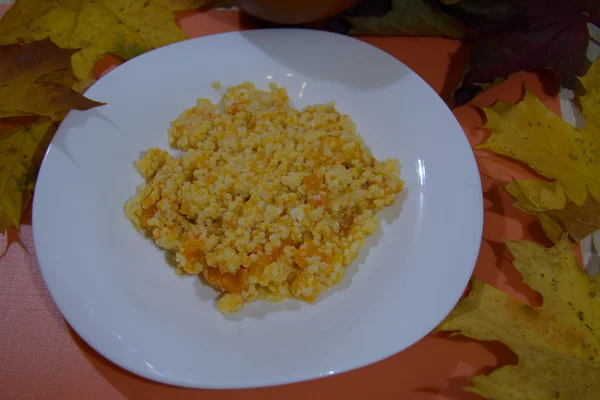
67,77
31,81
407,17
548,201
590,102
540,198
579,221
98,27
82,86
21,152
558,344
536,196
512,35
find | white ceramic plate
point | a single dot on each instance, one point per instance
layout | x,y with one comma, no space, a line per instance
115,288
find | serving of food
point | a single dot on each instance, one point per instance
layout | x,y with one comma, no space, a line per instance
267,201
254,195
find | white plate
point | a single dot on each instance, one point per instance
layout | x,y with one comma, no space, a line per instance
115,288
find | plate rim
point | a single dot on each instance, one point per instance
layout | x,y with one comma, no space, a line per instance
270,382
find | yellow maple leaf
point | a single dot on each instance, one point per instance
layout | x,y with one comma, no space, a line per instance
590,102
98,27
531,133
558,343
32,78
557,214
67,78
21,151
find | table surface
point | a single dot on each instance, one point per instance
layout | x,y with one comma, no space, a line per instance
42,357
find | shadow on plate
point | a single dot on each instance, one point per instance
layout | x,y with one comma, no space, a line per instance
385,216
327,69
75,120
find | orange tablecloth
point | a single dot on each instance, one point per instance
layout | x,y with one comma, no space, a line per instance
41,357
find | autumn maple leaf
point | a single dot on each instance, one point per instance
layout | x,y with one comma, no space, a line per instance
513,35
558,343
507,36
531,133
45,76
21,151
98,27
28,85
557,214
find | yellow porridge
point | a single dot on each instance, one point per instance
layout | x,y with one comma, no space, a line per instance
267,202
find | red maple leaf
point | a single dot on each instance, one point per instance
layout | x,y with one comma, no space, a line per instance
515,35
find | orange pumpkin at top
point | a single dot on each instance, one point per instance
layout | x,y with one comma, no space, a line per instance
293,11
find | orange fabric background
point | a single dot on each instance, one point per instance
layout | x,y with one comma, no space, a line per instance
41,357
